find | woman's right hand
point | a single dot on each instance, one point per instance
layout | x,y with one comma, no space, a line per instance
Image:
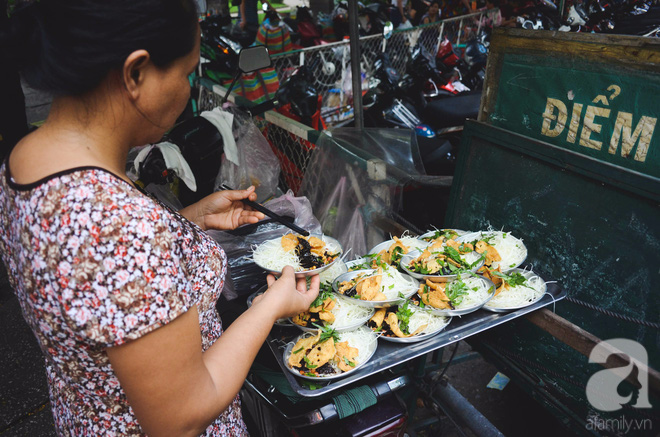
288,295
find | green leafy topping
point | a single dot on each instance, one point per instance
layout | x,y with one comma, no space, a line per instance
456,290
514,279
397,254
327,332
348,362
325,293
309,373
403,313
299,350
455,255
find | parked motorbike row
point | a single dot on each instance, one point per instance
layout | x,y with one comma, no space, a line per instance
626,17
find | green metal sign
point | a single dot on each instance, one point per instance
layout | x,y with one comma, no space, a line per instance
609,114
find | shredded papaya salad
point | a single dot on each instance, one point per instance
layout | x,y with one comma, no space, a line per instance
516,289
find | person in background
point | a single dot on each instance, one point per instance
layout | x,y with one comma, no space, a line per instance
454,8
433,14
119,290
398,13
248,16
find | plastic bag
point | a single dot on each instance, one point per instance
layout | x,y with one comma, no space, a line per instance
257,165
242,269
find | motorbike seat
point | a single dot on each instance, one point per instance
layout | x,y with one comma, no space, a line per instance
451,111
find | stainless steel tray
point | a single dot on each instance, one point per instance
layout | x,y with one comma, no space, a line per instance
390,354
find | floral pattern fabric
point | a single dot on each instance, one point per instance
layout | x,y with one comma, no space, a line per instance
95,263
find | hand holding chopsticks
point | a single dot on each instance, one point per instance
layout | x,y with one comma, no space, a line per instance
278,218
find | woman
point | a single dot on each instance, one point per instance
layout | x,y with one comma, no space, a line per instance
120,291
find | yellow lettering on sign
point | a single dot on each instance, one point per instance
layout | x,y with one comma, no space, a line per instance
590,126
575,123
622,131
549,116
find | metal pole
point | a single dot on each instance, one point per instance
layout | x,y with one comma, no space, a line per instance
460,410
354,36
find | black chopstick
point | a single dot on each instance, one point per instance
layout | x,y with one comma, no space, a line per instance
278,218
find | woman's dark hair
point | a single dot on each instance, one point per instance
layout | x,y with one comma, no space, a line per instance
67,47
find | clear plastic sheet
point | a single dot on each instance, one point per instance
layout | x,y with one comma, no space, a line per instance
238,244
355,179
257,166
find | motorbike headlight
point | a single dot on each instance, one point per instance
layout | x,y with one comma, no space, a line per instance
236,47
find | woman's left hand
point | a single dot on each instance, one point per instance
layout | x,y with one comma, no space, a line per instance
223,210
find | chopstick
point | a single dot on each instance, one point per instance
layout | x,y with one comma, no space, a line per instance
278,218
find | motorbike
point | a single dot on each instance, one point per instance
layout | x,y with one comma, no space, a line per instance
396,101
219,50
468,69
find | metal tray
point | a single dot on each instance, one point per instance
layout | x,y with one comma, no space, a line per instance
414,286
463,311
290,345
528,274
391,354
410,256
477,235
312,272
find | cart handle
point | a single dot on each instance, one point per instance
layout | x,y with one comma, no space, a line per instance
330,411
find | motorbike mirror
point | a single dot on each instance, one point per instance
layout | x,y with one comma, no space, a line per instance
250,59
254,58
388,28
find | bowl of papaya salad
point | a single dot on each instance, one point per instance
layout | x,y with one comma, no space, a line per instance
501,249
307,255
326,354
442,261
517,288
406,323
375,288
455,298
391,251
328,310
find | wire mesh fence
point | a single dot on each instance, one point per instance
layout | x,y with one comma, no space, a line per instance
330,63
287,138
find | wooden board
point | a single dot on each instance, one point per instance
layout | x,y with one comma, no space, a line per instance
594,94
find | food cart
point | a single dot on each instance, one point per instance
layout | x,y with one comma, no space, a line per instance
589,223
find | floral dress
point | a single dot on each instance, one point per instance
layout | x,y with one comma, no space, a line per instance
95,263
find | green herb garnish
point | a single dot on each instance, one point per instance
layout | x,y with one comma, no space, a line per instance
326,292
348,362
397,254
403,313
295,352
514,279
327,332
456,290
